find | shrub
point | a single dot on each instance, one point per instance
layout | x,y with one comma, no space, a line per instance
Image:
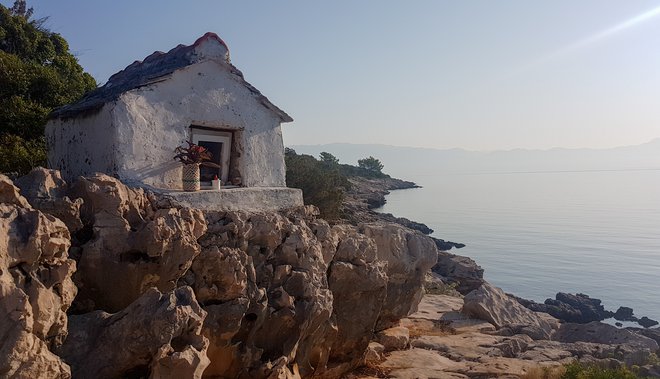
19,156
577,370
322,184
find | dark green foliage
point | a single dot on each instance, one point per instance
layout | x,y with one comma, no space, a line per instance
371,164
328,159
37,74
20,156
352,171
322,184
578,371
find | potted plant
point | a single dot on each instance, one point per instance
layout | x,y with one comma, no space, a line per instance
192,157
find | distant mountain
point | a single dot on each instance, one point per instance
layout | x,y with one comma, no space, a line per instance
406,161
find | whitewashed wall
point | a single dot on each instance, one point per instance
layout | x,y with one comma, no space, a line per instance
83,145
151,121
135,136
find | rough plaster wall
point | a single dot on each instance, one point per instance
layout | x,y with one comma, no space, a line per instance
151,121
83,145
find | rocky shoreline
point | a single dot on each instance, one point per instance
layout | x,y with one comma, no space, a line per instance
99,279
467,328
368,194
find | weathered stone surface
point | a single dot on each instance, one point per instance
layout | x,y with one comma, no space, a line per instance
292,286
9,193
647,322
159,335
409,255
358,283
47,191
396,338
374,353
567,307
652,333
262,278
464,272
35,288
624,314
134,244
600,333
493,305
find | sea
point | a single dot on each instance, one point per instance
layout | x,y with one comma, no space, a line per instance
539,233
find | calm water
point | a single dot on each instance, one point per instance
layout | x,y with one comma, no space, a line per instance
535,234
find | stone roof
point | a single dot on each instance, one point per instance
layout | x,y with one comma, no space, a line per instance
154,68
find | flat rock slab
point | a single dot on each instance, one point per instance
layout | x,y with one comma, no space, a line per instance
432,307
466,346
424,373
421,359
396,338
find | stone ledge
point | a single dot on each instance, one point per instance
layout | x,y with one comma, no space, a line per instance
253,199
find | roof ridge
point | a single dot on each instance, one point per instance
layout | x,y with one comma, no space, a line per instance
155,65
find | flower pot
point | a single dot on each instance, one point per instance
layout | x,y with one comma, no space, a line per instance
190,177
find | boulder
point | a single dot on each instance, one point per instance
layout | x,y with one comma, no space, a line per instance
647,322
358,283
653,333
624,314
10,194
35,288
566,307
262,279
396,338
293,289
600,333
409,256
374,353
47,191
491,304
132,244
463,272
159,335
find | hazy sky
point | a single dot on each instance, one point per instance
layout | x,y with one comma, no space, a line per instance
479,74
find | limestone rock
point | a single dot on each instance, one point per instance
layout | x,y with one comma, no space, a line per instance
409,256
464,272
9,193
566,307
396,338
159,335
624,314
262,278
35,288
293,289
491,304
358,283
647,322
600,333
47,191
133,244
374,353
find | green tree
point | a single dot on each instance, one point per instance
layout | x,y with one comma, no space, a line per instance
371,164
321,184
37,74
328,159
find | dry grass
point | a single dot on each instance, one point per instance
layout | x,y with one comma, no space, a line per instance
369,370
545,372
421,327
